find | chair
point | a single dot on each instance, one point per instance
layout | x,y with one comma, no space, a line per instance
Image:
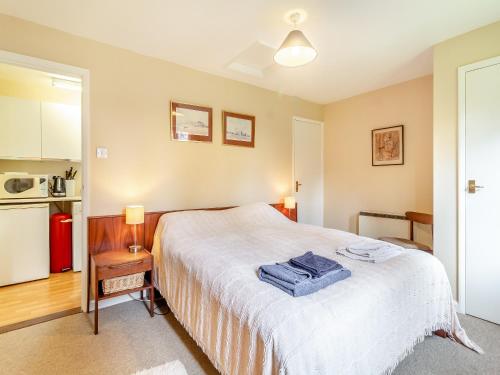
413,217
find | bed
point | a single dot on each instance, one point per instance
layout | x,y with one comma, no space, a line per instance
207,271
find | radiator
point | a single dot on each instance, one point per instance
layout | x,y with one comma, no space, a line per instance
376,225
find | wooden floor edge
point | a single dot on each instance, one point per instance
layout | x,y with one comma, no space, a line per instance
41,319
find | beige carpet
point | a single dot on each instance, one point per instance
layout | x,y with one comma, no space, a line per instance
129,341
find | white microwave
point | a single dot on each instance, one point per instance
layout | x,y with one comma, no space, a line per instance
23,185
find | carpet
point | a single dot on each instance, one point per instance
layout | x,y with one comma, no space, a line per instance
169,368
129,341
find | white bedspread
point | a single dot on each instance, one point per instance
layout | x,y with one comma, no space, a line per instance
207,270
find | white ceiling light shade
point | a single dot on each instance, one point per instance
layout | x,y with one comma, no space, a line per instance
295,50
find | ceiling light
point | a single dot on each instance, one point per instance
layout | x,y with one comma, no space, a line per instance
66,84
295,50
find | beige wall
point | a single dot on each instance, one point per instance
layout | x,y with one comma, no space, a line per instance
474,46
352,184
129,104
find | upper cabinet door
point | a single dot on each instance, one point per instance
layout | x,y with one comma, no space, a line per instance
20,135
61,131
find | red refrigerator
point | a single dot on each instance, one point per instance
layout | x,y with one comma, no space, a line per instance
60,242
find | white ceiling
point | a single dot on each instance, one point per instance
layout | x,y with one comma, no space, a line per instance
362,44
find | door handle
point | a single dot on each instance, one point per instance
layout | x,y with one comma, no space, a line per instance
472,187
297,184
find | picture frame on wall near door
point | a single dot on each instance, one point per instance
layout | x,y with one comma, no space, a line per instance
190,122
388,146
238,129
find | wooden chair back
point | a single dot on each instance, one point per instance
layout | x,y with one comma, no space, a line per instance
418,217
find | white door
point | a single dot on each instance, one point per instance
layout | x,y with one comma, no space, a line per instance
308,170
19,128
482,204
61,131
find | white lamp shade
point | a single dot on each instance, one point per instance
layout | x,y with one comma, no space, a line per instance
296,50
134,214
290,202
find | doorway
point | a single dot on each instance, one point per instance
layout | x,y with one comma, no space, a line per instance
52,98
479,184
308,170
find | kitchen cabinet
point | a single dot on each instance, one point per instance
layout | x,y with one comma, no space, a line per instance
25,248
20,133
61,131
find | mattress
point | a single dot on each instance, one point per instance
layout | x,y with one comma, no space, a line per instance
207,271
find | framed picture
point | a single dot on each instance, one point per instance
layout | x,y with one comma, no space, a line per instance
190,122
238,129
388,146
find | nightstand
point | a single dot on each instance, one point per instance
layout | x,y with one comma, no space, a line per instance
115,263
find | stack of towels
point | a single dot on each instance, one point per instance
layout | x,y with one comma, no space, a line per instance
371,251
303,275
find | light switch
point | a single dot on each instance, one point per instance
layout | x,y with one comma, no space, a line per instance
102,153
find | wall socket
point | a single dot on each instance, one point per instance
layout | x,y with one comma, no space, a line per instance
102,153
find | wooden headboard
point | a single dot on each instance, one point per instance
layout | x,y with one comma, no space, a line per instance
111,232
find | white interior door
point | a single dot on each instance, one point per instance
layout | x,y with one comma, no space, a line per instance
482,203
308,170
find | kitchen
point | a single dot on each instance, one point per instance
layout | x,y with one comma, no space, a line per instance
40,196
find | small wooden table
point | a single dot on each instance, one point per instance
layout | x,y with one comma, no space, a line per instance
115,263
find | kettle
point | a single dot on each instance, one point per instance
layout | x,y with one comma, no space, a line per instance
58,187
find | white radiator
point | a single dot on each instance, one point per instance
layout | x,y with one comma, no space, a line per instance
376,225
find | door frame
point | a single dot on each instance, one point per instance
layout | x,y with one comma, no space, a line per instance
322,196
48,66
462,177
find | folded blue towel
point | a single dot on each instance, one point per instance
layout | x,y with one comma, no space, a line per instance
315,264
296,281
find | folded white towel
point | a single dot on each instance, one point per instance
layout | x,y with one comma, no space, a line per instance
381,252
372,251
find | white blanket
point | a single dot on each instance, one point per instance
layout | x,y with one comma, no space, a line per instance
207,271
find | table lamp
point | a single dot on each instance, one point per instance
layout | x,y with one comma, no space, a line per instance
134,215
289,203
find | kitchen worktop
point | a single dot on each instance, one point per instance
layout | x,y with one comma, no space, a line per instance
40,200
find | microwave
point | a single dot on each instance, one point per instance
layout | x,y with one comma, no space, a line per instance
23,185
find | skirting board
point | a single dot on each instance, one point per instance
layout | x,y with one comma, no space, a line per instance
114,301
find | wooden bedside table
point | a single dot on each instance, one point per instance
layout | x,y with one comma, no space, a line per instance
115,263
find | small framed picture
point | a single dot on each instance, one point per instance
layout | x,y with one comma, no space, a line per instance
190,122
388,146
238,129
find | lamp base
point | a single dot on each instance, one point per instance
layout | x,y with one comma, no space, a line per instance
134,248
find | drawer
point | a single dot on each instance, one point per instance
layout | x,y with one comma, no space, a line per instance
114,270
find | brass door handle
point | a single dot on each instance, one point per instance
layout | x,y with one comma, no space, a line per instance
472,187
297,184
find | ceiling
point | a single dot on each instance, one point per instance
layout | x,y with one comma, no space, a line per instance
362,44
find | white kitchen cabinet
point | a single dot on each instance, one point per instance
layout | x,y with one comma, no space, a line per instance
25,249
61,131
20,133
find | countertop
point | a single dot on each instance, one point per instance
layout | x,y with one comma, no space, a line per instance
40,200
